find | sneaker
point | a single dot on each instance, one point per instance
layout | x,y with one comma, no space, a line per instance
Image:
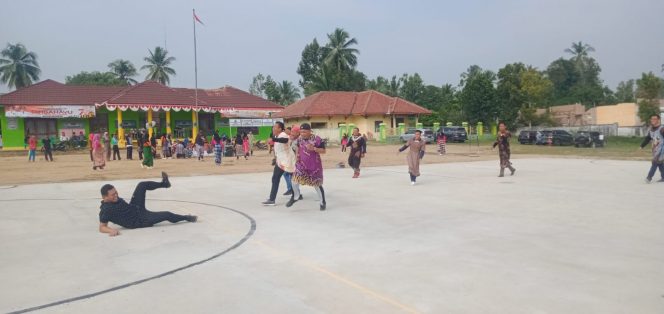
164,180
269,203
512,172
323,206
291,202
412,182
648,180
289,192
192,218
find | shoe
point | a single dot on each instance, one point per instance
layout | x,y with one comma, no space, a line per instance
412,182
142,166
660,180
300,198
323,206
512,171
291,202
94,168
269,203
164,180
192,218
289,192
648,180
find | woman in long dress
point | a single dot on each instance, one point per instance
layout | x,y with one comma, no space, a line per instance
148,157
358,147
98,160
417,147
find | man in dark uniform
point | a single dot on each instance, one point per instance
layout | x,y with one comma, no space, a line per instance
134,214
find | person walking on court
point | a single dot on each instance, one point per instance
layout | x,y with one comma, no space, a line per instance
281,164
130,145
200,145
656,137
32,145
107,145
417,147
358,148
503,143
98,161
134,214
309,166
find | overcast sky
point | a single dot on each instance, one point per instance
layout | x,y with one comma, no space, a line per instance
437,39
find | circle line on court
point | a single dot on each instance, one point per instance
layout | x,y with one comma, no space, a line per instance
246,237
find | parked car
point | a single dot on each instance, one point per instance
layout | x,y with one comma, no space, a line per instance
454,133
528,137
427,134
589,139
555,137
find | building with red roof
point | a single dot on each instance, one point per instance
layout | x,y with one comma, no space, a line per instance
366,110
50,108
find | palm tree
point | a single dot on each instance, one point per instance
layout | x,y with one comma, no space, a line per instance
123,70
158,66
288,93
338,53
323,80
579,50
18,66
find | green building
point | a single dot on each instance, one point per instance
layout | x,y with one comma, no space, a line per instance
55,110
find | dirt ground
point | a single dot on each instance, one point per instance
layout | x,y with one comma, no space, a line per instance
76,166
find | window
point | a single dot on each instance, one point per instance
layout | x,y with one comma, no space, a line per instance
318,125
377,126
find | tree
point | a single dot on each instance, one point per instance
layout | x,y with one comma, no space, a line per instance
158,66
95,78
123,70
478,96
579,50
648,91
312,57
380,84
257,87
394,86
509,92
412,88
625,91
288,93
338,52
564,76
18,66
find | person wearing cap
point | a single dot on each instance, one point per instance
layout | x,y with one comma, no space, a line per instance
309,166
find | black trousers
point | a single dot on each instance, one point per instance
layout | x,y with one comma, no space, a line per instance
653,168
140,152
276,178
152,218
48,154
130,149
116,152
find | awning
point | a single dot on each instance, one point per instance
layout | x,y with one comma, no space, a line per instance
228,112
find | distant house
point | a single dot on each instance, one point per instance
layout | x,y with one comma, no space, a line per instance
566,115
365,110
624,114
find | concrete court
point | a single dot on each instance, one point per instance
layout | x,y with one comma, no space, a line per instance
562,236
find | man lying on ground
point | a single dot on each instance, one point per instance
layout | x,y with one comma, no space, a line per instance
134,214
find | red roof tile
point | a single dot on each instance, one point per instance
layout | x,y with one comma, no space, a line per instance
50,92
151,93
230,97
350,103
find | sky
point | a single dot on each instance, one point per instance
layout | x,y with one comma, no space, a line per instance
437,39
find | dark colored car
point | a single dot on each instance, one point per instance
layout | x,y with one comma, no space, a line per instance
589,139
555,137
454,133
527,137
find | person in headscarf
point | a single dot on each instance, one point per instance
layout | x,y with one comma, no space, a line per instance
309,166
148,157
358,147
239,147
417,148
216,141
503,143
98,161
107,145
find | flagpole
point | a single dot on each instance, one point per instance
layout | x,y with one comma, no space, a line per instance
193,19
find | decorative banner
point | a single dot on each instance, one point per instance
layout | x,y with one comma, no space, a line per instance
72,125
49,111
253,122
235,113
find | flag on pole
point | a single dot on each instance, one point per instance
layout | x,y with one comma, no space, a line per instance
197,19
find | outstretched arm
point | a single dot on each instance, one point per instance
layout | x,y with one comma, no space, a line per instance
104,228
646,141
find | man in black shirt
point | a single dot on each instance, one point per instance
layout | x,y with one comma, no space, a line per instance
134,214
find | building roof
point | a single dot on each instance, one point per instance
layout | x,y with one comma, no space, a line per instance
230,97
50,92
148,93
334,103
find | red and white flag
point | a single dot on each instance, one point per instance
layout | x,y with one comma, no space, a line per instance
197,19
